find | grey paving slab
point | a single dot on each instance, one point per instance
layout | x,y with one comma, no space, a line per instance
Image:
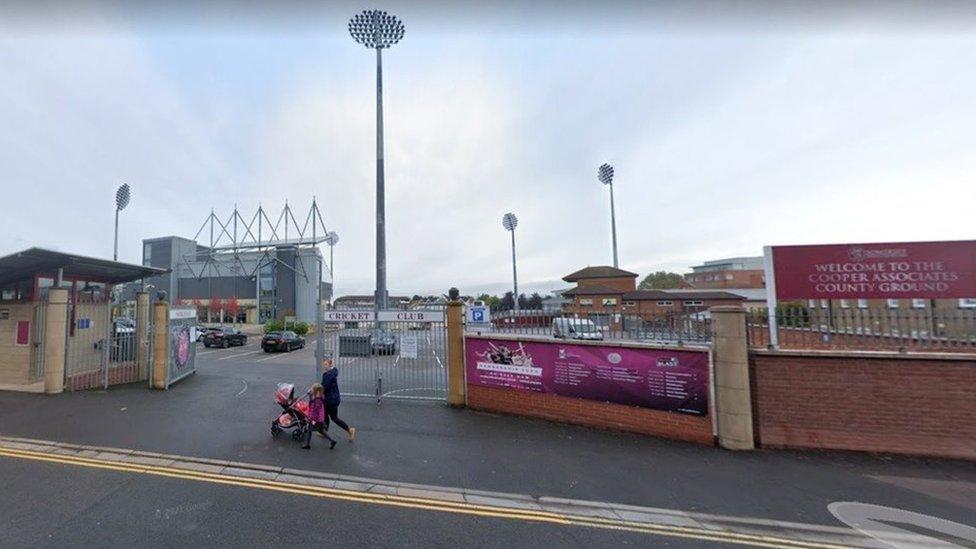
146,460
501,502
248,473
199,467
430,493
669,519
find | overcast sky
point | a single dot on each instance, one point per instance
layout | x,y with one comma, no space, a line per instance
730,126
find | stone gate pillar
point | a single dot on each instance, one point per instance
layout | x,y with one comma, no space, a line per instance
457,390
733,402
160,343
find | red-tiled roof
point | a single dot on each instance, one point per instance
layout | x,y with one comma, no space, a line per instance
593,289
600,271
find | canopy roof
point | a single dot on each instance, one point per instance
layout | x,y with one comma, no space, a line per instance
31,261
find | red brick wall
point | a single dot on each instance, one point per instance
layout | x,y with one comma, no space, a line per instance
905,404
603,415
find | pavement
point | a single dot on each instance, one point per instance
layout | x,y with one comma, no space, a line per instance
224,412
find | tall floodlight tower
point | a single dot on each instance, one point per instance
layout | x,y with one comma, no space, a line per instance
377,30
332,239
605,174
122,197
509,221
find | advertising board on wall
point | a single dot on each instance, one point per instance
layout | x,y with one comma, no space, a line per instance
928,270
663,379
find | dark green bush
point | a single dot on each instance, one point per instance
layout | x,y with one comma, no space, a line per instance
300,328
274,326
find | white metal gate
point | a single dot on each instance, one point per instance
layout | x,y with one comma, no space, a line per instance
404,357
99,350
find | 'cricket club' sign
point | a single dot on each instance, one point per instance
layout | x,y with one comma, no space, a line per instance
928,270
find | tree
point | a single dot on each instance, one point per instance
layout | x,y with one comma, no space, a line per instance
232,307
507,302
662,280
535,301
523,302
216,304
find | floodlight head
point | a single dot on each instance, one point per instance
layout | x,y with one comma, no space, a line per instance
605,174
332,238
122,197
509,221
375,29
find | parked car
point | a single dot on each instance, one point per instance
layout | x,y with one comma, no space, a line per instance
224,337
201,331
575,328
383,343
282,341
124,325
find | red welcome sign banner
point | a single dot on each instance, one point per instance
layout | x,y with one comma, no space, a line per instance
899,270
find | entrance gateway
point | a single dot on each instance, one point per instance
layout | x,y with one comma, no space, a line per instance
399,354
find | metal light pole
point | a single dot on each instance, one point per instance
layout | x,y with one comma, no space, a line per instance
605,174
509,221
332,239
122,196
377,30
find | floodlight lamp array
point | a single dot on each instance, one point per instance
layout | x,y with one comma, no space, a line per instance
509,221
605,174
122,197
376,29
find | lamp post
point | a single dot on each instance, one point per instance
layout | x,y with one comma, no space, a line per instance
509,221
605,174
122,196
377,30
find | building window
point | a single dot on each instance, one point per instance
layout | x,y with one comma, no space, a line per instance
693,303
862,304
665,303
729,276
609,301
585,302
918,304
812,303
967,303
824,303
147,254
892,303
845,304
630,303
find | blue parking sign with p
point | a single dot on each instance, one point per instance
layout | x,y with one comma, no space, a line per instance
478,315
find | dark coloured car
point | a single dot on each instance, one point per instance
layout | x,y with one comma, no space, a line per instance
282,341
383,343
224,337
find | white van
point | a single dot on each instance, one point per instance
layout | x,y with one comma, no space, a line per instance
575,328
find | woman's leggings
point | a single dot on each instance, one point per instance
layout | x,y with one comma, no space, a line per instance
320,427
333,412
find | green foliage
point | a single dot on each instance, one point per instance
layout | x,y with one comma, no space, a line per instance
274,326
661,280
300,328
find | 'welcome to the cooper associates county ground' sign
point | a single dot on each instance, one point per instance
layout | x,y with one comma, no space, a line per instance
929,270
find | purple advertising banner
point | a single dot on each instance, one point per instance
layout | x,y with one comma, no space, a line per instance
664,379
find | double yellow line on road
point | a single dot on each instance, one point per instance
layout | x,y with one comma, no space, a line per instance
511,513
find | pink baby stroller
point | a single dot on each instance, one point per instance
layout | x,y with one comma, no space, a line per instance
295,414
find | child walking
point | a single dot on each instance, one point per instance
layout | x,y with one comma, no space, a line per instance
316,417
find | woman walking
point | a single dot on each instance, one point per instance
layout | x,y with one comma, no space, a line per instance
330,384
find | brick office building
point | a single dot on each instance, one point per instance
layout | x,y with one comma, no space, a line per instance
607,295
735,272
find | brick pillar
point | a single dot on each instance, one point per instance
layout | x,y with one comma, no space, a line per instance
55,339
142,334
733,406
457,390
160,343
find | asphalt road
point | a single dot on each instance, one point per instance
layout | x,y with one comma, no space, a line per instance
224,412
97,508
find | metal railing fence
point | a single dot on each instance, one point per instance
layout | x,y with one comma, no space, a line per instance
670,328
887,329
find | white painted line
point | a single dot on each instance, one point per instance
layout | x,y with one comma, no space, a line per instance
235,355
242,390
273,356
